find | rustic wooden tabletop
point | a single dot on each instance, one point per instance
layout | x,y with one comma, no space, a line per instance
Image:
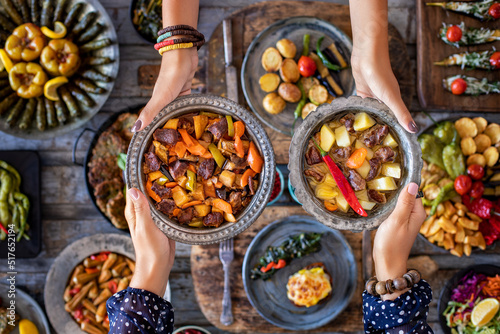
67,211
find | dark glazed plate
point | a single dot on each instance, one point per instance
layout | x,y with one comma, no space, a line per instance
27,164
269,297
294,29
444,297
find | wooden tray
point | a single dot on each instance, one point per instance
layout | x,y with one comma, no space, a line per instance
430,48
208,281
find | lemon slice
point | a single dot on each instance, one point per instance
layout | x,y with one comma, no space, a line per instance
5,60
27,327
50,88
484,311
58,32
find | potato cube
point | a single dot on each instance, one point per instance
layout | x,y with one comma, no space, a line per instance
391,169
171,124
363,121
202,209
369,152
229,217
367,205
342,203
390,141
362,195
364,169
200,123
227,178
327,138
342,137
383,184
180,196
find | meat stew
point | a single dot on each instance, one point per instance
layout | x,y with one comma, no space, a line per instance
368,154
202,169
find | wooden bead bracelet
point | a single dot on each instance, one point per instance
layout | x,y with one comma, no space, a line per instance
177,27
377,288
194,33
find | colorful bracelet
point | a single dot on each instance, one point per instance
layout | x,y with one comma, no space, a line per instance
377,288
179,46
177,27
168,42
180,32
192,38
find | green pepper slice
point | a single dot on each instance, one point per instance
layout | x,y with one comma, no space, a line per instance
217,155
230,126
191,182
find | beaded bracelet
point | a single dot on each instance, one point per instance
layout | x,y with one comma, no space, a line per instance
194,38
168,42
179,46
377,288
194,33
177,27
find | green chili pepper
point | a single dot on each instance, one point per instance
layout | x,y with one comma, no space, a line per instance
25,202
432,149
22,222
426,202
298,110
453,159
217,155
7,185
305,45
444,131
230,126
191,182
441,197
324,58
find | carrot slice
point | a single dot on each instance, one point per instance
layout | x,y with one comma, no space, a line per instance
180,149
238,145
192,203
330,207
254,159
357,158
246,174
150,191
171,184
197,149
207,155
176,212
239,129
188,140
191,168
222,205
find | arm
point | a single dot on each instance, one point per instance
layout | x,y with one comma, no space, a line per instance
371,66
177,66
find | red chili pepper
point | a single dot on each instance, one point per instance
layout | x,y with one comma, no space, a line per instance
281,264
103,256
342,183
112,286
482,207
3,228
268,267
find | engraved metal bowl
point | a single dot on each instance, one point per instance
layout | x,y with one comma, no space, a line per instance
411,162
216,104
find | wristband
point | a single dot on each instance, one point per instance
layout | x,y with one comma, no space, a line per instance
376,288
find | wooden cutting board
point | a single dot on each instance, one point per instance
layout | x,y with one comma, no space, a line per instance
208,281
430,48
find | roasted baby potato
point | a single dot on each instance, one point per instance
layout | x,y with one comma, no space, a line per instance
468,146
491,156
493,131
289,92
307,109
273,103
308,82
269,82
286,47
318,94
271,60
482,142
289,71
466,127
481,124
476,159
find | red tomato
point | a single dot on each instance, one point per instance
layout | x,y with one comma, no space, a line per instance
477,189
112,286
463,183
307,66
494,10
476,172
495,58
458,86
454,34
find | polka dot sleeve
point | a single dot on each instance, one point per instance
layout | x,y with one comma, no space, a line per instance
139,311
407,314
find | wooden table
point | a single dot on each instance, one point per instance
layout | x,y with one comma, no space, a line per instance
67,211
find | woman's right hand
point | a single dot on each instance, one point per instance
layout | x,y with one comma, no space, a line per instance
176,74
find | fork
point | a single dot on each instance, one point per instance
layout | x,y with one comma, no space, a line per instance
226,255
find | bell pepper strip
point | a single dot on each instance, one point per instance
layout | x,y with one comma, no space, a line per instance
162,180
244,178
155,175
254,159
281,264
267,268
217,155
230,126
238,145
305,44
191,183
150,191
222,205
330,207
188,140
342,183
357,158
298,109
239,129
273,265
324,58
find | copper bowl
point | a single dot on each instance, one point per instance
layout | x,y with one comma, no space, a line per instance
216,104
411,162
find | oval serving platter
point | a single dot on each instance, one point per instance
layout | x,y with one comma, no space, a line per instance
294,29
269,297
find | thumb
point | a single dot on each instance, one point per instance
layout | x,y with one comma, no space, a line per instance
159,100
392,98
137,208
406,202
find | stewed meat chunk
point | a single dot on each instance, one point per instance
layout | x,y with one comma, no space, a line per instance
356,181
168,137
375,135
218,128
235,200
313,156
384,154
348,121
342,153
214,219
186,215
151,163
374,168
376,196
166,206
186,124
314,173
178,169
162,191
206,168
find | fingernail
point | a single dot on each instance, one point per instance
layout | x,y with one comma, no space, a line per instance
136,126
413,189
413,127
134,194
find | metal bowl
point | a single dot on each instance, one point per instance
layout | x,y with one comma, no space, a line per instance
216,104
412,161
63,266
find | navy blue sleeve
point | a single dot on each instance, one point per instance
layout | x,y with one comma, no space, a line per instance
407,314
139,311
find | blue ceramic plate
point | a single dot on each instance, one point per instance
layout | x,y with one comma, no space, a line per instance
444,297
294,29
269,297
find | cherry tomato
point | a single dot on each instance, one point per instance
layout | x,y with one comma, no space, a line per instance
454,34
458,86
307,66
476,172
495,58
463,183
494,10
477,189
